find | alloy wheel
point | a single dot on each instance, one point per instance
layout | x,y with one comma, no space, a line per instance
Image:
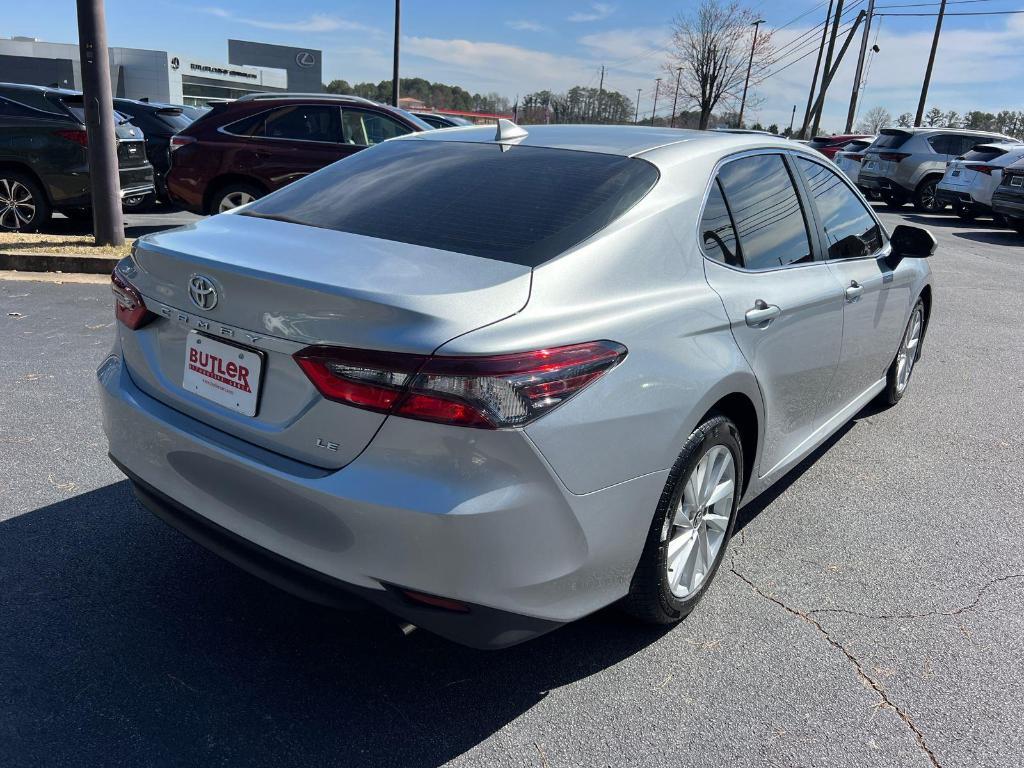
17,206
927,197
696,528
233,200
907,355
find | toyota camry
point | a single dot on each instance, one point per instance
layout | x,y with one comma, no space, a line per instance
497,412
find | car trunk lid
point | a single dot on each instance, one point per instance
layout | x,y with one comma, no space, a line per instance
280,287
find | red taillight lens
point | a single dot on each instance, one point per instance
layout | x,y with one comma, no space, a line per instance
79,137
986,169
129,307
859,158
893,156
178,141
490,392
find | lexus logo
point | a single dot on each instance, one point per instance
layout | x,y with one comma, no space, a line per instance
202,292
175,62
305,59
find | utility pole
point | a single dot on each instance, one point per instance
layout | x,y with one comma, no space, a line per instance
636,115
826,78
394,74
600,94
675,99
654,109
860,68
746,83
104,180
931,63
817,69
792,119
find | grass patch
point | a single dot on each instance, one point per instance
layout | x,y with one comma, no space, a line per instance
76,245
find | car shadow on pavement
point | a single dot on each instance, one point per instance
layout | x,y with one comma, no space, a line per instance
124,643
993,237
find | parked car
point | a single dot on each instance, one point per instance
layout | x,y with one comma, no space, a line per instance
1008,197
158,122
437,120
849,158
906,164
44,163
830,145
971,179
241,150
495,417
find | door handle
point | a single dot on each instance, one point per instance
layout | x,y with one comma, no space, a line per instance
853,291
761,314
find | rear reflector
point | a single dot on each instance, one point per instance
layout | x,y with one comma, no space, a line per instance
129,307
444,603
488,392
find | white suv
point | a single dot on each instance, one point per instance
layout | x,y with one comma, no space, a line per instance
905,164
970,180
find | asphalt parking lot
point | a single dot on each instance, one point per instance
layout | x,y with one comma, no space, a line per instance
871,614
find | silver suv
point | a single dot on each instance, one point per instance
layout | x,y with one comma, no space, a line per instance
905,164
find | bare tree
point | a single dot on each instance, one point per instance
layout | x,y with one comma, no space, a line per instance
874,120
711,45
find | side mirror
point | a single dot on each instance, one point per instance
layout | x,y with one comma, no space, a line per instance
912,242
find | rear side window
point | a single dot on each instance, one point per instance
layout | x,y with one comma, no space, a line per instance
893,140
852,232
523,205
766,212
304,122
717,231
369,128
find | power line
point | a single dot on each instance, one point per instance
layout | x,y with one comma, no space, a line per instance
956,13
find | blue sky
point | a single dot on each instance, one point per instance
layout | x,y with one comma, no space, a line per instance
527,45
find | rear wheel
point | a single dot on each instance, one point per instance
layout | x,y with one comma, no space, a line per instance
234,195
964,212
924,198
1017,224
23,206
893,201
898,378
692,525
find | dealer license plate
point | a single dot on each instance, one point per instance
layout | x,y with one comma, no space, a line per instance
227,374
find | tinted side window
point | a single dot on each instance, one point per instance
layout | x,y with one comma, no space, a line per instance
716,229
304,122
247,126
766,212
368,128
945,145
852,232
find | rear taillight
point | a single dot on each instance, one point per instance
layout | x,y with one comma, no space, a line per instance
489,392
857,157
894,157
77,136
986,169
178,141
129,307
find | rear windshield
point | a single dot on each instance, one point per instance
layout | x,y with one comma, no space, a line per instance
983,154
175,119
890,140
523,205
819,141
856,145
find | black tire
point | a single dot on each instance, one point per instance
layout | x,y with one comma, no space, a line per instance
1017,224
965,213
650,598
893,201
999,220
925,200
239,190
23,204
893,392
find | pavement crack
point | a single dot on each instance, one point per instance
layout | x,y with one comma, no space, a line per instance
865,678
926,614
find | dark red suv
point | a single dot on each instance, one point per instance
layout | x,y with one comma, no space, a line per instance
241,150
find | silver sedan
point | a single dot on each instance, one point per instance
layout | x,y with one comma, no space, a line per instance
495,412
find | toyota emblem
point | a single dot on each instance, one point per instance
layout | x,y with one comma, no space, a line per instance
202,292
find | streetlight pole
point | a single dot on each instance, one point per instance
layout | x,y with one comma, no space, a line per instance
750,64
104,179
394,75
931,63
636,114
675,99
654,109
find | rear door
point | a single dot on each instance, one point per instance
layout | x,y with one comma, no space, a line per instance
784,305
876,296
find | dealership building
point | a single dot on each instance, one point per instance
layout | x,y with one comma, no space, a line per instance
169,76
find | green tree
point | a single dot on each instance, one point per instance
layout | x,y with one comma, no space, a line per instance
935,118
905,120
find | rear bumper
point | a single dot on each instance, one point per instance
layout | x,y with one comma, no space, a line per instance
871,183
183,191
959,198
136,181
480,519
1010,204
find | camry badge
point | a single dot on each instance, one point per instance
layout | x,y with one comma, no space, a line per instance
202,292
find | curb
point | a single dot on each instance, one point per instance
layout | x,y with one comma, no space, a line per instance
49,262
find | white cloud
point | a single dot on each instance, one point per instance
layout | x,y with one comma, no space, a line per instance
640,49
318,22
525,25
597,12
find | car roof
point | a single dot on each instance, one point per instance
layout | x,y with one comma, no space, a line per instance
624,140
964,131
39,89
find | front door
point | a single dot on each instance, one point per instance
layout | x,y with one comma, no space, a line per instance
785,306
